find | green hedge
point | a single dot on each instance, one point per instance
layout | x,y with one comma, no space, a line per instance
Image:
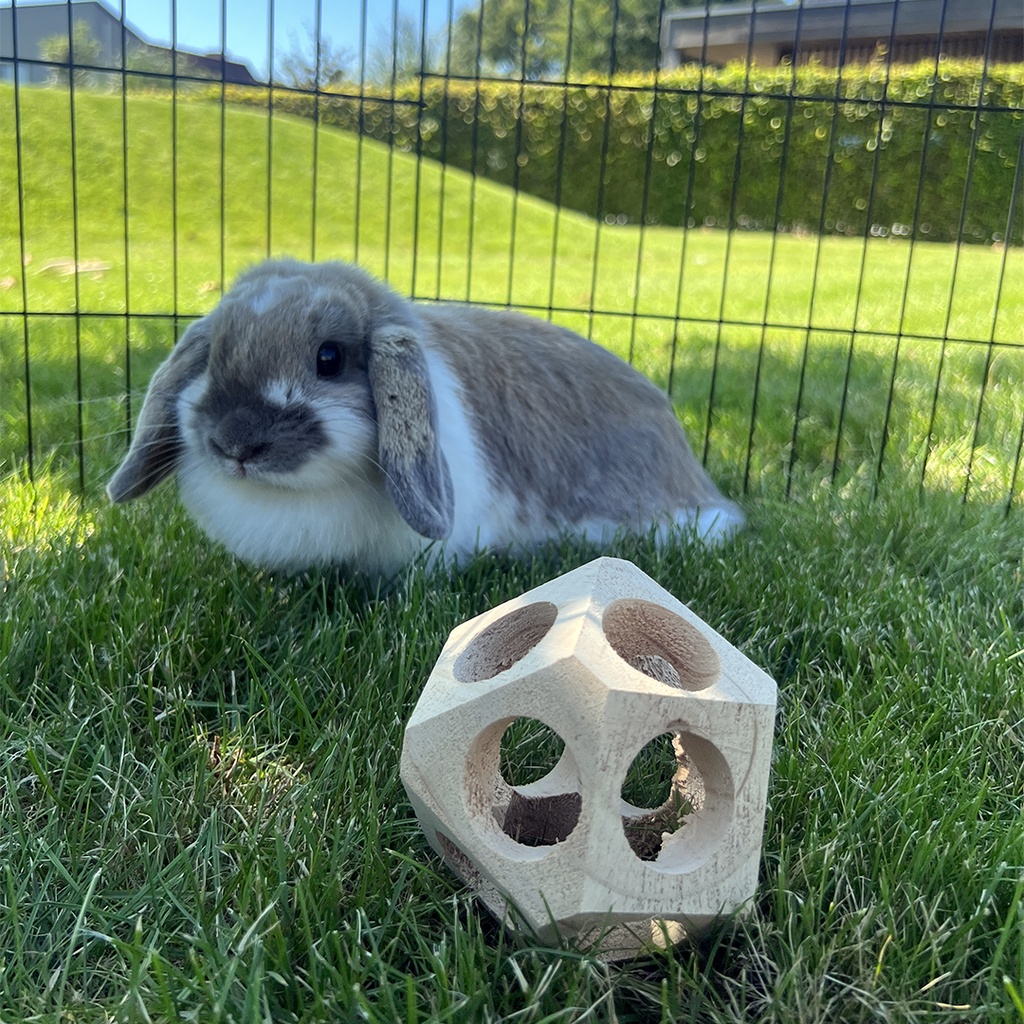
885,149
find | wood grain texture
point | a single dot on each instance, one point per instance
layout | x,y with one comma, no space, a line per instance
609,661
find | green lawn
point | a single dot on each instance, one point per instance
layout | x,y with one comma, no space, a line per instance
202,817
200,810
184,243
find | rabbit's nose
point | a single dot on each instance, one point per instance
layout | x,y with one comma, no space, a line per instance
241,437
240,450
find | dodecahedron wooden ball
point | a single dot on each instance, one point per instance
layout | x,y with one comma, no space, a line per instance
609,661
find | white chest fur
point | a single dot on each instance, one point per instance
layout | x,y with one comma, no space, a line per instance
357,525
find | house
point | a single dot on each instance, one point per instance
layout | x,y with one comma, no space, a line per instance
113,44
836,32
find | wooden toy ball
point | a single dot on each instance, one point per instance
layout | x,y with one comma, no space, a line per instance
611,663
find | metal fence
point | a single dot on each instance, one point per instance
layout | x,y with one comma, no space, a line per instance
714,193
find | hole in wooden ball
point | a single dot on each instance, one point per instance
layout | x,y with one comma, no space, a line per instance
661,644
529,751
541,820
504,642
535,814
662,787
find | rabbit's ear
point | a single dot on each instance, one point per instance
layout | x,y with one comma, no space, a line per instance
157,444
415,470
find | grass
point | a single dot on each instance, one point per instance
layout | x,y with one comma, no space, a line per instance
200,810
844,317
203,818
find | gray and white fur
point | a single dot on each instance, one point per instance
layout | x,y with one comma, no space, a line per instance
315,417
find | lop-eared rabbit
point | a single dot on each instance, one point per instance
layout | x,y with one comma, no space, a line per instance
315,417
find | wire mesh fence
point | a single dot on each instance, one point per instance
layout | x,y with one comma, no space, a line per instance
803,220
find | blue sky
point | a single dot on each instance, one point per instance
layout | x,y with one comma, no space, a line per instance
247,29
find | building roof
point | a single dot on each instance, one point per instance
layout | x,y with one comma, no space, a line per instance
24,26
821,21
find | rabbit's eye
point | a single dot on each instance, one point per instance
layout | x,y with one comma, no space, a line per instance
330,359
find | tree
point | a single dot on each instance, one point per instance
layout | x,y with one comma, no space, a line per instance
313,63
84,49
511,37
532,37
401,52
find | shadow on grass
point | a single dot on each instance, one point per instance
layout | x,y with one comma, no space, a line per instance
787,412
69,404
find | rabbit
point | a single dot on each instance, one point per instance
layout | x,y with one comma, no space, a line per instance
315,417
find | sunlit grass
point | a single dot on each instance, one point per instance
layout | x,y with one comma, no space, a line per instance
200,810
